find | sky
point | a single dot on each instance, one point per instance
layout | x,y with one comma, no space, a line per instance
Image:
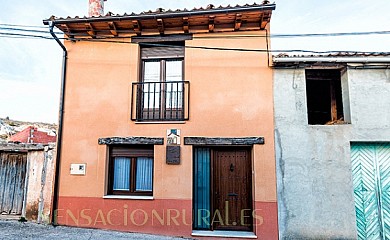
30,69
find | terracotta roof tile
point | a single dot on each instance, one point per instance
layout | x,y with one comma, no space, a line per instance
335,54
32,135
161,10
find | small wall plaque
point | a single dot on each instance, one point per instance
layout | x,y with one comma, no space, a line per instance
173,155
173,137
78,168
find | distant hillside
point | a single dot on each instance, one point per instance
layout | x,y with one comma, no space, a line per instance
9,127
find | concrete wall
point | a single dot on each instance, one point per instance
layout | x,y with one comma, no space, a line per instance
315,192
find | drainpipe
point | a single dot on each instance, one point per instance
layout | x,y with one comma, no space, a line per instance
60,125
266,40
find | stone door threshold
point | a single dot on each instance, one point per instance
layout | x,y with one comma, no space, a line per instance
226,234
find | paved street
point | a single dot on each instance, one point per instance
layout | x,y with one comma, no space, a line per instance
12,229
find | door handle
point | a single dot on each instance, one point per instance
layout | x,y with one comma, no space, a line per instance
231,167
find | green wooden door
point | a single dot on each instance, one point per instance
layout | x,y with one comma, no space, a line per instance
371,182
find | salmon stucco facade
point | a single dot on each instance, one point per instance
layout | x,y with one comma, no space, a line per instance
168,123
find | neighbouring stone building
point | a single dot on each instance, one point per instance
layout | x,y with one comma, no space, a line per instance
332,139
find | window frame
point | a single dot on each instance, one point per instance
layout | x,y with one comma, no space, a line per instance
331,78
162,111
131,152
162,107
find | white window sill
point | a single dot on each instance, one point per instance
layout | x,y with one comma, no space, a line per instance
128,197
225,234
161,122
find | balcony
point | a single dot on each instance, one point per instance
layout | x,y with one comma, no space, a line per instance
160,101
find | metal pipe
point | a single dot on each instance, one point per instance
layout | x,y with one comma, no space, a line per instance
332,59
162,15
60,124
267,43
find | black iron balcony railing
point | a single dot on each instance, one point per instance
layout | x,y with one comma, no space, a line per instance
160,101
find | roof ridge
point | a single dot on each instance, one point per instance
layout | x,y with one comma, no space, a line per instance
162,10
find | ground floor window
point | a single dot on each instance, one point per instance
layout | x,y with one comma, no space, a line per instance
131,170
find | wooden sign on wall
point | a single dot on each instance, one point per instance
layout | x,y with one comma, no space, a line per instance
173,155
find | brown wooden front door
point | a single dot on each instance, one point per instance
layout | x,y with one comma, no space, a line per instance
232,200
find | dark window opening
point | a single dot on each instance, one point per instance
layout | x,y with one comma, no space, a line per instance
130,170
324,96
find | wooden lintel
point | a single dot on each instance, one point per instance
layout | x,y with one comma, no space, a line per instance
223,141
185,25
211,24
130,140
160,25
136,26
112,27
237,23
90,30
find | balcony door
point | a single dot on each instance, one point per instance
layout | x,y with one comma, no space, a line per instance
162,89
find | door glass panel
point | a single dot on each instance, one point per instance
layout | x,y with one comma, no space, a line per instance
151,88
202,209
174,89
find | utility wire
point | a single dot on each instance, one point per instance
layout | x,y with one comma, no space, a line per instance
16,37
24,35
277,35
26,30
224,49
25,26
330,34
108,40
281,35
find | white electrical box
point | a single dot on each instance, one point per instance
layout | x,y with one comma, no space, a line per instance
78,168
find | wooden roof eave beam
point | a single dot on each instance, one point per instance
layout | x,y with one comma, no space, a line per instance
112,27
66,30
211,23
237,22
265,17
137,27
185,25
90,30
160,26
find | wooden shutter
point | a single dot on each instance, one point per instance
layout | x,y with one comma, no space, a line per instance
126,151
168,51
